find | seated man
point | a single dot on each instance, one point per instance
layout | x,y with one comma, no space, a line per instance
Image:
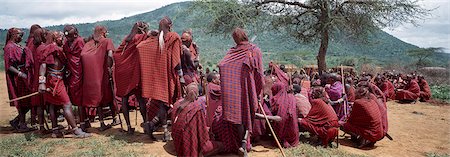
410,92
425,92
189,131
386,87
364,123
321,119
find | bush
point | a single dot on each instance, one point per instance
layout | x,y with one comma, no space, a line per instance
441,92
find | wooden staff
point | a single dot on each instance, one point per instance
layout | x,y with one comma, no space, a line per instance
22,97
273,132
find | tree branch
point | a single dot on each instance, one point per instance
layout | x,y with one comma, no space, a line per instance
299,4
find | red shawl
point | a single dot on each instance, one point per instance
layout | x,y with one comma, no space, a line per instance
96,84
320,119
127,72
383,112
410,91
425,91
74,81
365,120
214,100
17,86
279,73
388,89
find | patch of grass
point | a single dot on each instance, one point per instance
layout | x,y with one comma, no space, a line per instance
433,154
27,145
311,151
441,92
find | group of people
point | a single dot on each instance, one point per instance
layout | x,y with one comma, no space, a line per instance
219,112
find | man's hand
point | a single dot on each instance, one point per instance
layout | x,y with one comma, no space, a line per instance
182,81
22,75
42,88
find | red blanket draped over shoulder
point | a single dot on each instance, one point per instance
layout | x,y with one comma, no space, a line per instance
189,132
388,89
279,73
127,72
284,105
58,95
37,57
96,86
320,119
159,78
410,92
21,58
214,100
425,91
365,120
74,81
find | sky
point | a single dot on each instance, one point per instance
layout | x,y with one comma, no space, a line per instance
433,31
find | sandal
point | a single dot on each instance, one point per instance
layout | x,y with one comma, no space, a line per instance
81,134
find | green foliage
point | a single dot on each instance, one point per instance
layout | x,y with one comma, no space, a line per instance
433,154
422,55
441,92
311,151
27,145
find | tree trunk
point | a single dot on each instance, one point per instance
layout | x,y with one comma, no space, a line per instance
321,63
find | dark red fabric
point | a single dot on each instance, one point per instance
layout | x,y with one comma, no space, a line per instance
189,131
284,105
410,92
306,86
159,78
127,67
96,85
74,81
365,120
228,134
17,86
259,125
152,109
281,75
214,100
351,95
37,57
388,89
383,110
425,91
194,51
303,105
58,95
320,121
241,75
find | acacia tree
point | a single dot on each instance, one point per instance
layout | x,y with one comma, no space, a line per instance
421,54
311,20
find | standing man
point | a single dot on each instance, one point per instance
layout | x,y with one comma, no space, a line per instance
72,48
96,57
127,72
241,76
161,73
19,69
51,83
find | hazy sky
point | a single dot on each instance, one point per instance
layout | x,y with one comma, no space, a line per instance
434,31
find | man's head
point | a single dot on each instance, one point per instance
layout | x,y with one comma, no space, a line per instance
32,29
186,38
138,28
297,88
100,32
39,36
51,37
317,92
14,35
192,92
362,90
60,39
165,25
239,36
214,78
333,77
70,32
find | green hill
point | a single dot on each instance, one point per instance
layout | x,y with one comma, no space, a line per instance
380,49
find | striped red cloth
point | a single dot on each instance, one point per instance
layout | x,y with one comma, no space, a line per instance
383,111
284,105
319,120
388,89
365,120
16,55
127,74
410,92
214,101
281,75
96,85
74,81
189,132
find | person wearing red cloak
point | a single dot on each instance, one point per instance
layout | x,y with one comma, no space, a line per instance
321,119
19,71
96,58
214,95
51,84
127,72
425,91
241,76
161,74
187,61
410,92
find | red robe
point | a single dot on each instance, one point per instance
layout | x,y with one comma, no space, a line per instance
21,58
74,81
303,105
425,91
410,92
189,131
127,68
365,120
58,95
388,89
321,121
214,100
96,85
37,57
158,75
284,105
241,75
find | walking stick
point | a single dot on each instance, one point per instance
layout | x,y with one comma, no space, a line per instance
22,97
273,132
111,81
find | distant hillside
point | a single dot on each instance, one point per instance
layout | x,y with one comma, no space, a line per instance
381,48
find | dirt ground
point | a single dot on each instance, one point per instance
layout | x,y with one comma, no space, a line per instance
417,129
